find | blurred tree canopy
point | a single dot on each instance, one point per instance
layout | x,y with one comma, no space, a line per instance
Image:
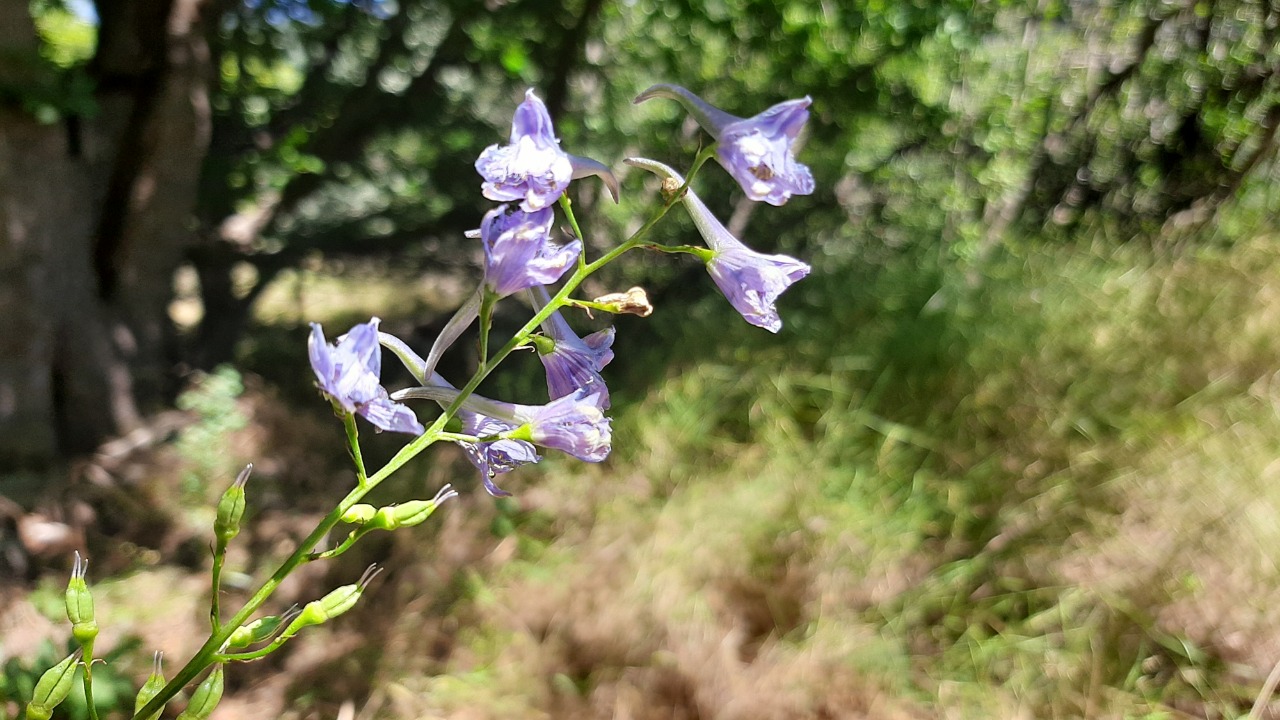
245,137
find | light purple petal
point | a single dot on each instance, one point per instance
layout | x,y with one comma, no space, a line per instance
758,153
321,355
574,424
532,169
574,364
531,120
752,282
711,118
601,341
357,366
495,457
348,374
519,253
383,413
586,167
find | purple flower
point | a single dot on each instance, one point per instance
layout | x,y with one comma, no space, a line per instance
532,168
494,457
753,281
758,151
572,363
518,250
750,280
491,458
574,424
348,373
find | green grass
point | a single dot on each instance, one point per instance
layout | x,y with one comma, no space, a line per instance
1044,487
1041,488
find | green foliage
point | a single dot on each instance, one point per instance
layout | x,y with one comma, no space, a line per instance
951,483
213,399
112,691
67,40
52,84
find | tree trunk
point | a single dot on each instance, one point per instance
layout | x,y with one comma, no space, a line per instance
93,222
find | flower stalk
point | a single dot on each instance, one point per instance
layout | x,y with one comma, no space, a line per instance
531,173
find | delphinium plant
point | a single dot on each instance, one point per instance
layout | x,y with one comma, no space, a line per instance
523,259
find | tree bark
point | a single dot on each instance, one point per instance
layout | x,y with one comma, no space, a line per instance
93,221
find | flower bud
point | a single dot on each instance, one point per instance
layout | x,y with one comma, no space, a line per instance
80,604
332,605
231,508
358,514
670,186
255,632
205,698
152,687
52,688
634,302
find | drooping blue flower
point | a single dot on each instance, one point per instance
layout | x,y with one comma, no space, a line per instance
751,281
348,373
572,363
494,457
531,168
518,250
574,424
757,151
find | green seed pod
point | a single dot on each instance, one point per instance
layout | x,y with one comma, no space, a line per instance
411,513
358,514
151,688
205,698
384,519
332,605
415,512
255,632
231,508
52,688
80,604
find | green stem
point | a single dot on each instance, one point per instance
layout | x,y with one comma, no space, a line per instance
702,253
87,659
459,437
486,324
591,305
353,444
343,547
254,654
703,156
215,613
567,206
208,653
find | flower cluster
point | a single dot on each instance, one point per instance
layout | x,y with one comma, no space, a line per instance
529,176
759,153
